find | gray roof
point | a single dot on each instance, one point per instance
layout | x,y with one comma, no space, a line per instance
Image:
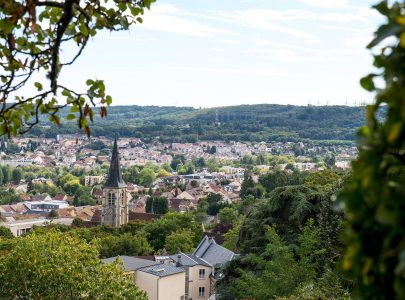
162,270
132,263
188,260
211,252
114,179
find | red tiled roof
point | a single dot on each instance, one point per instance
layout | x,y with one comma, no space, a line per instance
25,197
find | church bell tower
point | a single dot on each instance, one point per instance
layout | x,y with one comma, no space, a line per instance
115,194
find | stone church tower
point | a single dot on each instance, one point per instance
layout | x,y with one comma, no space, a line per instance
115,194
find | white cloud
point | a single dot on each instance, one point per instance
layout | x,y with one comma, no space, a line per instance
169,18
238,71
359,42
267,20
343,18
291,56
326,3
166,9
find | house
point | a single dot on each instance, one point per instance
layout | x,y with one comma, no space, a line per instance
44,205
203,267
69,159
20,227
60,197
20,188
198,271
42,180
41,197
35,158
92,180
182,205
25,197
160,281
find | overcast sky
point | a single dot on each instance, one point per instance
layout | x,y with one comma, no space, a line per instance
206,53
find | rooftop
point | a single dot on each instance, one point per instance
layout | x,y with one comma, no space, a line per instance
208,250
162,270
188,260
132,263
114,179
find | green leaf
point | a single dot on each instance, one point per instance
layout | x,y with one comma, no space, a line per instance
70,117
382,7
367,82
83,29
108,100
74,108
384,32
38,85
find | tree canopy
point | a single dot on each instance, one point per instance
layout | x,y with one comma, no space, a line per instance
61,266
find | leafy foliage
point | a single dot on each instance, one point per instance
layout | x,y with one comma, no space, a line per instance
228,215
5,233
281,271
288,207
180,240
375,197
157,205
60,266
160,229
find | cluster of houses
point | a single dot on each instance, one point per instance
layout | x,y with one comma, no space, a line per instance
73,151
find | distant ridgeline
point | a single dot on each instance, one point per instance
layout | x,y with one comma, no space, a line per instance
264,122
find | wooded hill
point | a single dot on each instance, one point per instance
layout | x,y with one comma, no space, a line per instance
264,122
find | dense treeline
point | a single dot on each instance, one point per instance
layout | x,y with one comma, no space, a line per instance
265,122
288,238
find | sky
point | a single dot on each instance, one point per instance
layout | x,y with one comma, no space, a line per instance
208,53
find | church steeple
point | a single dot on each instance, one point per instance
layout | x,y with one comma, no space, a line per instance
114,179
115,195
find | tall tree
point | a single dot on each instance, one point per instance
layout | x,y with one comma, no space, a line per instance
1,176
160,205
6,174
17,175
146,177
180,240
288,207
169,223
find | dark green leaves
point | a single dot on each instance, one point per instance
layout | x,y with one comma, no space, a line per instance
367,82
375,197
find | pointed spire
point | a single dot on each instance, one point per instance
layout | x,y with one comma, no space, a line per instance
114,179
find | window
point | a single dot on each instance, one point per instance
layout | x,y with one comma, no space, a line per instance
111,199
201,291
202,273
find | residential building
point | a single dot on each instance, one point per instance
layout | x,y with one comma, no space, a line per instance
93,180
20,227
203,267
160,281
45,205
197,275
